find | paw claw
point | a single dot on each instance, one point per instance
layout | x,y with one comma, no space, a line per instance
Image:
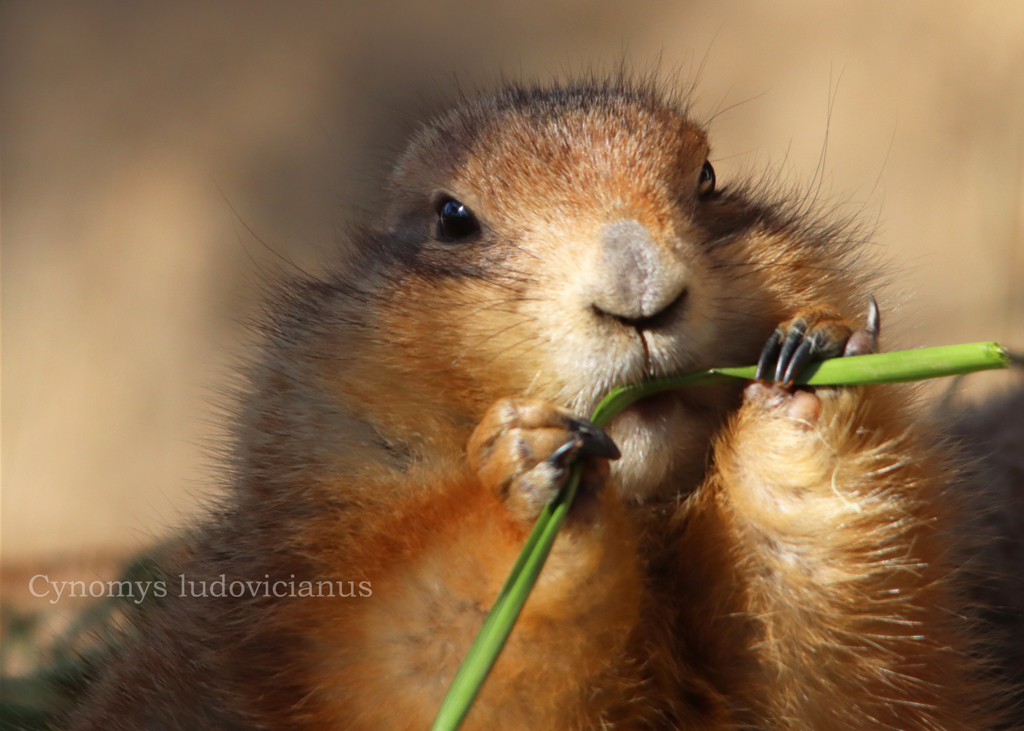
815,333
874,317
594,441
769,355
789,347
522,449
865,340
803,355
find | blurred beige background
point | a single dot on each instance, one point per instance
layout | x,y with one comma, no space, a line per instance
146,146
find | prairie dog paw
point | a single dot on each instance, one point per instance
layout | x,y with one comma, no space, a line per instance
788,455
803,406
522,450
815,333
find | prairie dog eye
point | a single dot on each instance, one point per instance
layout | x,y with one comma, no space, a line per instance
706,182
455,222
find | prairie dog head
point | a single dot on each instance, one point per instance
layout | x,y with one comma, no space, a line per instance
558,242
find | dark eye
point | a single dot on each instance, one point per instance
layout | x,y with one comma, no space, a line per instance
706,182
455,221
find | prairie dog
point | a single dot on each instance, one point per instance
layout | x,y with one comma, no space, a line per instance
759,557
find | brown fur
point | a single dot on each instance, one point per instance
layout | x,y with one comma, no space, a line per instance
769,561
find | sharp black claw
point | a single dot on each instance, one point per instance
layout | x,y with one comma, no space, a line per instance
789,346
801,358
769,354
595,441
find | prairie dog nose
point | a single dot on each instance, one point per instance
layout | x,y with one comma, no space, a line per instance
636,278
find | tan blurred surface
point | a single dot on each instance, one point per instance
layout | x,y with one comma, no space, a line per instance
133,133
